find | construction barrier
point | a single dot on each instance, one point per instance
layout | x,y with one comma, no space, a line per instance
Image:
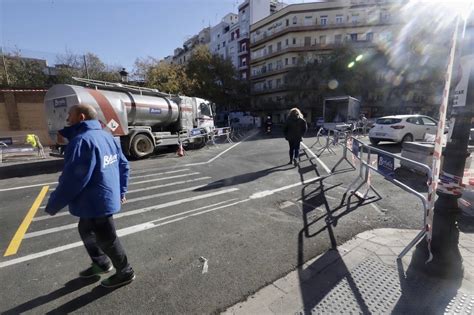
384,165
21,146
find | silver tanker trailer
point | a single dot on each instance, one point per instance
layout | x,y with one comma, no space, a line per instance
143,118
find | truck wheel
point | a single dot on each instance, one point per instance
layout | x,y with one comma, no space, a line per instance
141,146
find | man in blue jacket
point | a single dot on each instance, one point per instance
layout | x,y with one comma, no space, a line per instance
93,183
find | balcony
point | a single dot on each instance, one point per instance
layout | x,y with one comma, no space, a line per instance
242,52
266,36
243,67
265,73
314,47
267,90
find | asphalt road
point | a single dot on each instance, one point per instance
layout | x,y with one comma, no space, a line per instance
240,207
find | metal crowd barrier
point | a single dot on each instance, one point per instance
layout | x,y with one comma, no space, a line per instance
385,167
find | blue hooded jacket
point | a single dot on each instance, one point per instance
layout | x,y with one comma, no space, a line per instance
95,175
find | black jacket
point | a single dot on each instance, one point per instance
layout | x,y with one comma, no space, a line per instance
295,128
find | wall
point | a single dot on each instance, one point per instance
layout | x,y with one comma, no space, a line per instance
22,112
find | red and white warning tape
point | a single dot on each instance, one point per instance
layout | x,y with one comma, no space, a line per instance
433,183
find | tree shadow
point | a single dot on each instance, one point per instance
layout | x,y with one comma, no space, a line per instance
69,287
244,178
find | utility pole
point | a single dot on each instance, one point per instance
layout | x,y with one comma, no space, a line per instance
85,66
447,260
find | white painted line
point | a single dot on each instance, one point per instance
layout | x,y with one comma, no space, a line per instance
29,186
122,232
316,158
163,178
223,152
133,212
191,164
265,193
131,192
54,183
157,174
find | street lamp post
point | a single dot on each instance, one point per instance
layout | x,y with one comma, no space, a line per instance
447,260
124,75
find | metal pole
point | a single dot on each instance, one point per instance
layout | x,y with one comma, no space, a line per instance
447,260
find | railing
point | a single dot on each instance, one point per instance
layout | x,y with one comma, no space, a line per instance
385,167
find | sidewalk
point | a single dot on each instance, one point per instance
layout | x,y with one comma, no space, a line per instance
29,165
363,277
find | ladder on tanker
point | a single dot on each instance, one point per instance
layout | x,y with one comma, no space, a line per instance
122,87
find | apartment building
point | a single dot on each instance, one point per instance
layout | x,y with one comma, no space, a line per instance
182,55
304,32
223,37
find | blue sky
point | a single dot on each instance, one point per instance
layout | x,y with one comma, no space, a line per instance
118,31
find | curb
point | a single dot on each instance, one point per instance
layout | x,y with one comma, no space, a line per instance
31,168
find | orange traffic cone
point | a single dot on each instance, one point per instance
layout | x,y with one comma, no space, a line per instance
180,151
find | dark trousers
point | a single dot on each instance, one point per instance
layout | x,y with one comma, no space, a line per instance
294,149
100,240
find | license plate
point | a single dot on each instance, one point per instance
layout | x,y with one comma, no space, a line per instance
379,134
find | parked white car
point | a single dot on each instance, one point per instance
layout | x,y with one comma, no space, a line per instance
402,128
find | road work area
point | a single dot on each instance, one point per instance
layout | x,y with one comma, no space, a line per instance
202,232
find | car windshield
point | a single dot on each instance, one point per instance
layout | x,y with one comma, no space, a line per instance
387,121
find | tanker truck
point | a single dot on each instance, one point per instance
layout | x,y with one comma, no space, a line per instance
142,118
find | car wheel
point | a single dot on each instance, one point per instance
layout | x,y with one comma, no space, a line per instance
374,141
407,138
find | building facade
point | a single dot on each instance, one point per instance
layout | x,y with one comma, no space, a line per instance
305,32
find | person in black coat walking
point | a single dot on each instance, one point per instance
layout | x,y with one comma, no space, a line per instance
294,130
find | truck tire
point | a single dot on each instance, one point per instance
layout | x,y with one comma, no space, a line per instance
141,146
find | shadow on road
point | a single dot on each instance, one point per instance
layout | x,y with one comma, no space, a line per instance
244,178
316,208
69,287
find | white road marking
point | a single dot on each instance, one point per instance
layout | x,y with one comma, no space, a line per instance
133,212
135,228
191,164
316,158
134,191
29,186
265,193
121,232
163,178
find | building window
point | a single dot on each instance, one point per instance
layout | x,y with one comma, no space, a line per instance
232,36
369,37
244,62
278,64
338,39
278,83
294,40
278,46
339,19
223,44
287,42
270,66
293,60
286,61
307,41
355,18
237,33
322,39
244,75
270,83
324,20
384,16
218,46
295,20
307,20
287,22
270,49
354,37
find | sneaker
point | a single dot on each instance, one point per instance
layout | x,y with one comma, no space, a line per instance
94,270
118,280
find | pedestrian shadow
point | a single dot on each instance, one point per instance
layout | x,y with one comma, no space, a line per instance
69,287
244,178
423,294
